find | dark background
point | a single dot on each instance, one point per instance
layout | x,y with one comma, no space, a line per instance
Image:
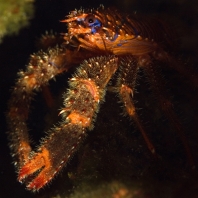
178,181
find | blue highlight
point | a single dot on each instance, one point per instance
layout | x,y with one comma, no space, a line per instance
95,25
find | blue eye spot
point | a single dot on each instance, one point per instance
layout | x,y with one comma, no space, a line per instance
93,23
94,26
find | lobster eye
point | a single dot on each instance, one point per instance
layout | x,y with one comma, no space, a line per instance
92,22
90,19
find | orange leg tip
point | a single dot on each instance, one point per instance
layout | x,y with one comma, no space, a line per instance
26,171
37,183
36,164
23,173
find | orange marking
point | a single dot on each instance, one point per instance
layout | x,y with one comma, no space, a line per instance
92,88
126,92
30,81
40,160
38,182
76,118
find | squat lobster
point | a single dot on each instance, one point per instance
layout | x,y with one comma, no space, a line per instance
106,41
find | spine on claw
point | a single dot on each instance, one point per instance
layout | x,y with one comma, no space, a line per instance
87,89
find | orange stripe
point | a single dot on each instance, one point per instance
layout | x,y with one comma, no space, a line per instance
76,118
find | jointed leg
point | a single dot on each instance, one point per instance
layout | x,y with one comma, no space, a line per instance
42,67
81,104
126,86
